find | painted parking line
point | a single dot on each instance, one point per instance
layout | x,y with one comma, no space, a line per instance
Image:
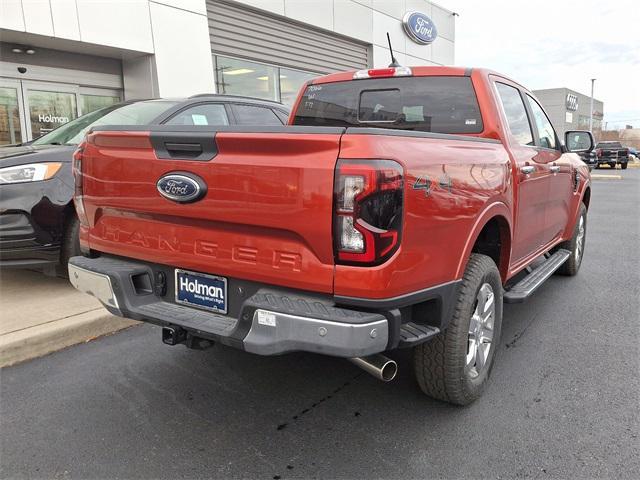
606,177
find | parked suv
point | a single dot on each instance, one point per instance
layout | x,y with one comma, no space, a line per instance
38,222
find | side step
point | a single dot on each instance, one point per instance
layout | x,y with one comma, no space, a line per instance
412,334
529,284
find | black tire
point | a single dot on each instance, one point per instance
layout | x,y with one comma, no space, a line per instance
623,166
70,243
612,165
440,365
572,265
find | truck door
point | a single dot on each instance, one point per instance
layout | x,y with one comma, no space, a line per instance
559,181
531,174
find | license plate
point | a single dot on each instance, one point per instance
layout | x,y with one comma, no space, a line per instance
200,290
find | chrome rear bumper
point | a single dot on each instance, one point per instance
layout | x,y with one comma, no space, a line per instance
269,322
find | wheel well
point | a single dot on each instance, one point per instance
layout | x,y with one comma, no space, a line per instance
586,198
494,241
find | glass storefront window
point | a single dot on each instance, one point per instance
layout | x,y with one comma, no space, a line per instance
10,131
290,83
241,77
48,110
90,103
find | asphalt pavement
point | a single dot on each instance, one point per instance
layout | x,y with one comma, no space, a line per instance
562,401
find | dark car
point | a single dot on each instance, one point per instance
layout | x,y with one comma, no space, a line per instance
612,153
38,222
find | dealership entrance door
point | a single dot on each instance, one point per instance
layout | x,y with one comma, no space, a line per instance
29,109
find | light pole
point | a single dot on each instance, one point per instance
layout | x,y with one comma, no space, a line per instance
593,80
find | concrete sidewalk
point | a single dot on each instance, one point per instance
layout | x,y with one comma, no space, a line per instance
40,314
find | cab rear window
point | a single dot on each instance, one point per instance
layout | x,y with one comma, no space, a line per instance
428,104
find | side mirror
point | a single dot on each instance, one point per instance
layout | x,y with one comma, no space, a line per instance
579,141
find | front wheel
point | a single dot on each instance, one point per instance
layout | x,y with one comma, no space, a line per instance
623,166
575,245
455,366
70,243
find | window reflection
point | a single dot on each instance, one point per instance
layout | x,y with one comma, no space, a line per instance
242,77
10,131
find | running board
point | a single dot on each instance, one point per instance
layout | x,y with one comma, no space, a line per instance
412,334
529,284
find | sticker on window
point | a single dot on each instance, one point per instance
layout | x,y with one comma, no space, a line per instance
199,119
470,121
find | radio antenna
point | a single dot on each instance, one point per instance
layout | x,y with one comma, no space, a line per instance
394,62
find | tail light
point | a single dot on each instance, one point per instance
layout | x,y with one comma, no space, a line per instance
383,72
368,203
78,182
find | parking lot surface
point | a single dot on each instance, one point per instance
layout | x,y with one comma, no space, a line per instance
562,402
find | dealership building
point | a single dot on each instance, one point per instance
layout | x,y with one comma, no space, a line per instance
569,110
63,58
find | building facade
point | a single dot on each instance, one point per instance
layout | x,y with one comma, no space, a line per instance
63,58
569,110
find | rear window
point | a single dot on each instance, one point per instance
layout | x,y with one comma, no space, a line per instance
609,145
426,104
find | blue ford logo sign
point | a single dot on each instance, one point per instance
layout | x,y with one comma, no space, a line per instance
181,187
419,28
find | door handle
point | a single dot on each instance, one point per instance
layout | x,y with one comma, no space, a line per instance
527,169
554,168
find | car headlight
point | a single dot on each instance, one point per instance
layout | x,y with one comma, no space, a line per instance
32,172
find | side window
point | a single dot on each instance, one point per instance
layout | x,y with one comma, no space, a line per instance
546,134
253,115
283,116
203,114
516,113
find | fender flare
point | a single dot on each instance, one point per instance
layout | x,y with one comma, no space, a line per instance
568,232
491,210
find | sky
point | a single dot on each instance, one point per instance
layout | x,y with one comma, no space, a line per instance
557,43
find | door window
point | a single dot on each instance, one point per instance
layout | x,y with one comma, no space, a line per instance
546,134
516,113
48,110
204,114
252,115
10,131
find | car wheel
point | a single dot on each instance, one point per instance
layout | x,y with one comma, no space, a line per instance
70,243
623,166
575,245
612,165
455,365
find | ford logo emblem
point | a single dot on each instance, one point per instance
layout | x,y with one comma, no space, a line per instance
419,28
182,187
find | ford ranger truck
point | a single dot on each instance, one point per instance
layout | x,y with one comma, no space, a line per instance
398,209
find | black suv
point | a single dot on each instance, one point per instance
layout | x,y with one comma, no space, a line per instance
38,223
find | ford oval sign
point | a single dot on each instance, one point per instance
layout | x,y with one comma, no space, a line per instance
419,28
181,187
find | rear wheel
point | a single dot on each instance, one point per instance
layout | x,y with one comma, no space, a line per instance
575,245
455,366
612,165
623,166
70,243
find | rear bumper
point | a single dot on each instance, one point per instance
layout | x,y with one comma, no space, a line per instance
264,319
268,322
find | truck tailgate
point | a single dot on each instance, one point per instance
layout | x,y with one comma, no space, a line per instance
266,215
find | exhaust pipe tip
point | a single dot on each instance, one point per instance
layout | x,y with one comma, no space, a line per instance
389,371
379,366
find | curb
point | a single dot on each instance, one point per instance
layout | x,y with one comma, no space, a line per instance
42,339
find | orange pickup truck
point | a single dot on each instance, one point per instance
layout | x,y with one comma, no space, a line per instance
399,208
